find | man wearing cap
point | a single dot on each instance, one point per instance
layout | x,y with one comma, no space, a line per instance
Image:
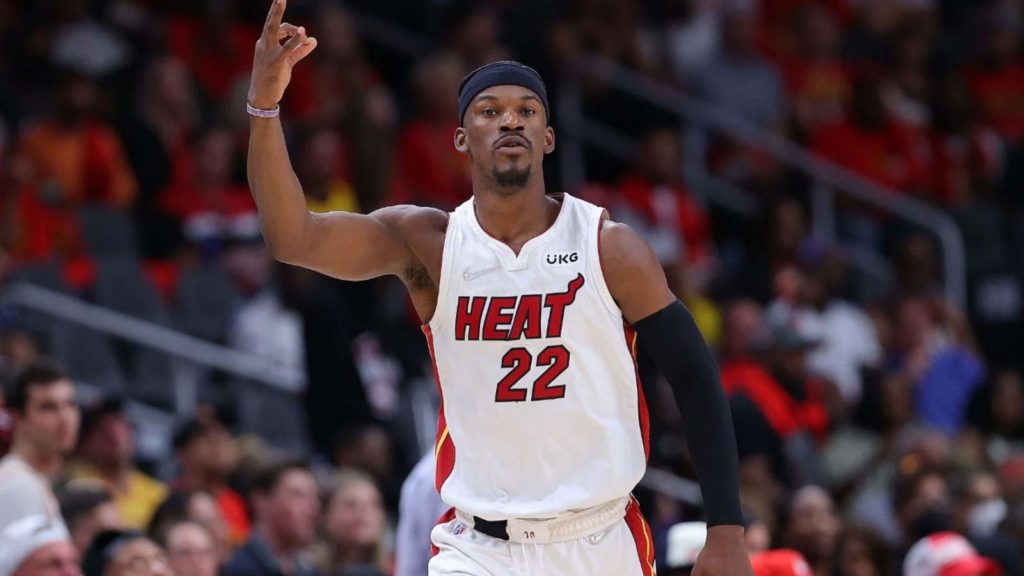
534,305
37,545
947,554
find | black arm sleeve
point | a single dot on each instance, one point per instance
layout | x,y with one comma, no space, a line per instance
672,339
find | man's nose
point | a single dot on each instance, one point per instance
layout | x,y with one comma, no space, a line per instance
512,121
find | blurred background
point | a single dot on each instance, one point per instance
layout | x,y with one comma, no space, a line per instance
835,189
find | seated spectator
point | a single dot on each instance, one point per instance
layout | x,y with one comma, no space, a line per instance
906,86
656,201
474,36
46,417
265,325
210,208
862,552
159,142
217,48
331,88
190,549
997,411
775,419
108,455
197,507
367,447
430,171
817,80
285,505
997,71
847,339
74,157
967,156
941,373
36,545
813,527
872,144
355,527
125,553
207,455
88,509
748,85
324,167
921,499
947,554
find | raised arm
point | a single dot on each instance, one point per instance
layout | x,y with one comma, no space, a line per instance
666,331
340,244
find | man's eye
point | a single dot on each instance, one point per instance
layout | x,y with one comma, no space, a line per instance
528,112
490,111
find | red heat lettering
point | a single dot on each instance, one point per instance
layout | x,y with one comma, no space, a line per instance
527,320
558,302
499,315
467,317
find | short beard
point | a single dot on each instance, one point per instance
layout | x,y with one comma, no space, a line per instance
512,178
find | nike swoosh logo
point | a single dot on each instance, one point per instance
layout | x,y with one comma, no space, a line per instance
468,274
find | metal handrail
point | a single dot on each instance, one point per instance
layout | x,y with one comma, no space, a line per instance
844,181
154,336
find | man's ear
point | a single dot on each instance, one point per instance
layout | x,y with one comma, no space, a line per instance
549,140
461,144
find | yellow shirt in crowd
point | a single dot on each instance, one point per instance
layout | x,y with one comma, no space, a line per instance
137,501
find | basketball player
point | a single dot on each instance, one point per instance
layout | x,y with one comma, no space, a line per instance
533,305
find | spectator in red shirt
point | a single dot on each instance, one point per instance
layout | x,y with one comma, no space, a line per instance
817,81
207,455
336,84
657,202
430,170
75,157
63,162
776,18
996,76
216,49
210,208
872,144
966,156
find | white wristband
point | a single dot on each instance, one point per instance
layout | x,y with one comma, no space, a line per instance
262,112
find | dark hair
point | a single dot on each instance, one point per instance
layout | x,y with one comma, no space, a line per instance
170,512
269,476
877,550
79,499
190,431
103,548
42,372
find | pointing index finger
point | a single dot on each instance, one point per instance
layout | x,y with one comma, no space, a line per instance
274,18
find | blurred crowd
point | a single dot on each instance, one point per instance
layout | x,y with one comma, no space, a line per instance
870,415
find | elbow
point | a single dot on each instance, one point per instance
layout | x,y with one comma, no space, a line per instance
286,251
283,252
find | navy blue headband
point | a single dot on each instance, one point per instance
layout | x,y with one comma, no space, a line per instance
496,74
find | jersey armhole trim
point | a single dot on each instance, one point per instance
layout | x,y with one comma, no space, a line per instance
442,283
596,271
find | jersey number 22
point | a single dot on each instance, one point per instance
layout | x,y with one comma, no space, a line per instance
556,358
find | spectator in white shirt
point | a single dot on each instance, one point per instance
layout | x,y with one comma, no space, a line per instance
46,419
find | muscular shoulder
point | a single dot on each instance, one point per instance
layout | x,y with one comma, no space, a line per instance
632,272
422,229
409,219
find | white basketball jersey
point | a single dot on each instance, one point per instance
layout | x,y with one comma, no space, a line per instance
541,408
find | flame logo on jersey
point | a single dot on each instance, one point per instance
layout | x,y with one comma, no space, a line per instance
507,318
